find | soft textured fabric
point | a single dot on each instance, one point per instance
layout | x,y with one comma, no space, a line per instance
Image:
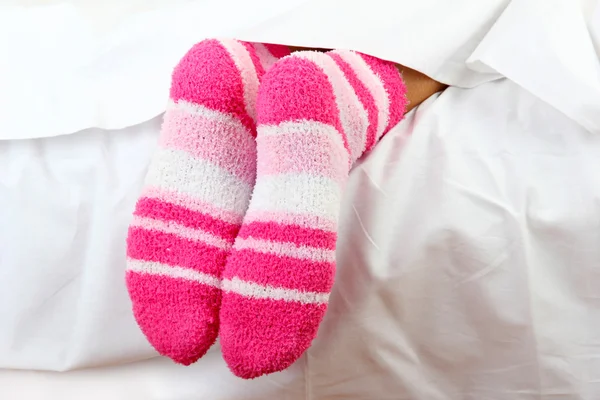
196,193
317,114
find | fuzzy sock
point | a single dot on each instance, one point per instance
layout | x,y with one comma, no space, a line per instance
195,195
317,114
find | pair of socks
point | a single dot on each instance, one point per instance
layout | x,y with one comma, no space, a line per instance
234,234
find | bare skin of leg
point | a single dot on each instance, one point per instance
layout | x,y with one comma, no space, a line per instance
418,86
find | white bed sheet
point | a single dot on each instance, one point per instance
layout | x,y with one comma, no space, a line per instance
468,266
468,257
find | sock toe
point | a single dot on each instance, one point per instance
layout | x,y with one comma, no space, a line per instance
179,318
264,335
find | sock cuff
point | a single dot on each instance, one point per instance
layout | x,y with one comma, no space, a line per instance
394,86
380,87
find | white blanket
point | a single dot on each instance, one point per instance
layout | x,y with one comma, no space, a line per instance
66,67
468,257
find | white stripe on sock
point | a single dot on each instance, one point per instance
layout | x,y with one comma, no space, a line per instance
243,62
286,249
301,220
200,110
297,193
235,285
156,268
256,291
373,83
176,170
264,55
183,231
302,127
353,116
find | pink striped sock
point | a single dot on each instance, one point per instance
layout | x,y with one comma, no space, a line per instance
317,114
195,195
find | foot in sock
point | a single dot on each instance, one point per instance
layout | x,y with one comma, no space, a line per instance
195,195
317,114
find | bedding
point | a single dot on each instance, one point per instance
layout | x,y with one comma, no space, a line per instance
466,271
467,257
